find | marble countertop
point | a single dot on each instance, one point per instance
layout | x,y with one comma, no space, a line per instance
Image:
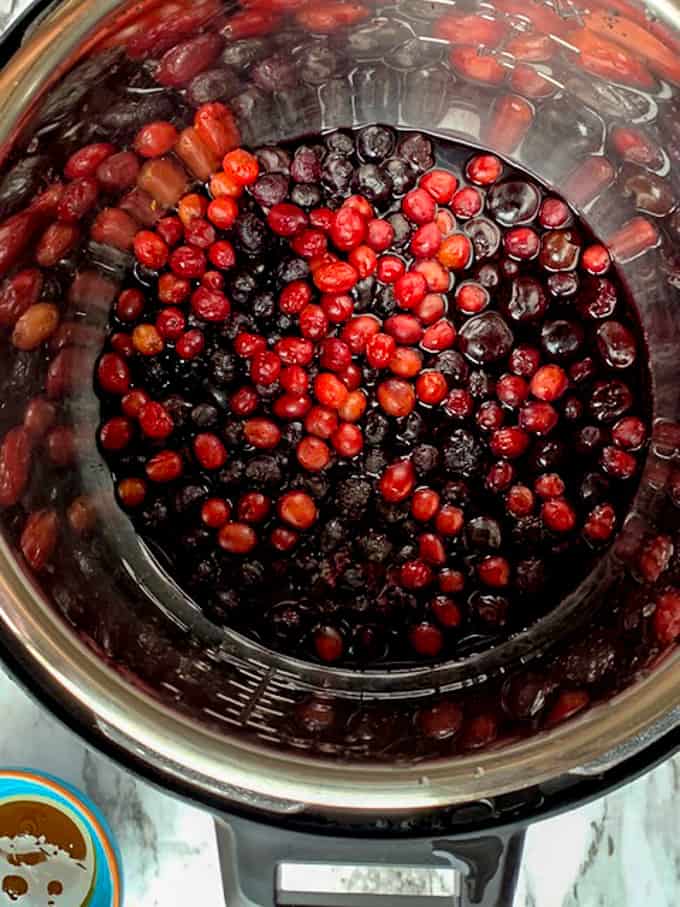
622,850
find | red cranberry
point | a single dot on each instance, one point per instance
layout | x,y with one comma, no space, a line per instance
262,433
286,220
538,418
253,507
210,305
558,515
188,262
500,476
549,383
439,336
380,349
166,466
294,297
426,639
364,259
133,401
467,202
294,351
329,390
265,368
494,571
426,241
436,276
431,549
337,307
471,298
210,451
291,407
215,512
667,617
629,433
173,290
321,421
522,243
446,612
425,504
554,213
397,481
524,360
600,523
405,329
244,401
459,403
309,243
431,309
520,501
396,397
313,322
171,323
419,206
509,442
348,229
455,252
237,538
113,374
297,509
406,363
479,732
440,184
155,421
328,644
283,539
490,416
379,234
336,277
443,719
449,520
242,165
415,575
567,705
347,440
549,485
618,463
115,434
390,268
655,557
595,259
410,289
431,387
451,581
131,493
484,169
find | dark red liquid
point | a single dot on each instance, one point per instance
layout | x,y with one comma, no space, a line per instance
509,485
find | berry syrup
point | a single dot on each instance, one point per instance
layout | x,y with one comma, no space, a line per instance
372,396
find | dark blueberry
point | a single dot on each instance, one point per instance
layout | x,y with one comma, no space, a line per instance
561,339
157,375
333,534
369,375
573,409
270,189
588,660
225,606
491,609
487,274
364,293
425,459
452,364
376,428
412,428
513,202
232,473
292,434
417,150
241,285
286,623
524,695
402,230
264,470
337,172
530,576
485,338
232,432
239,321
485,237
563,283
306,166
251,234
373,182
528,532
376,546
339,142
385,303
462,454
273,160
590,440
204,416
242,53
317,485
483,533
610,400
375,143
290,269
179,410
354,578
594,489
352,497
264,305
392,513
525,299
401,173
375,462
548,456
456,492
481,385
306,195
213,85
195,539
275,73
251,574
154,515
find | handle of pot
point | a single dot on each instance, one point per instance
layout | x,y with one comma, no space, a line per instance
264,866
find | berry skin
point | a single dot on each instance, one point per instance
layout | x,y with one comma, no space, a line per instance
297,509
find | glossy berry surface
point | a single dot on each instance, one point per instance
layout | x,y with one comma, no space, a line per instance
376,418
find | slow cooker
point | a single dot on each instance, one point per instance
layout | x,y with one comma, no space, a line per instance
324,784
